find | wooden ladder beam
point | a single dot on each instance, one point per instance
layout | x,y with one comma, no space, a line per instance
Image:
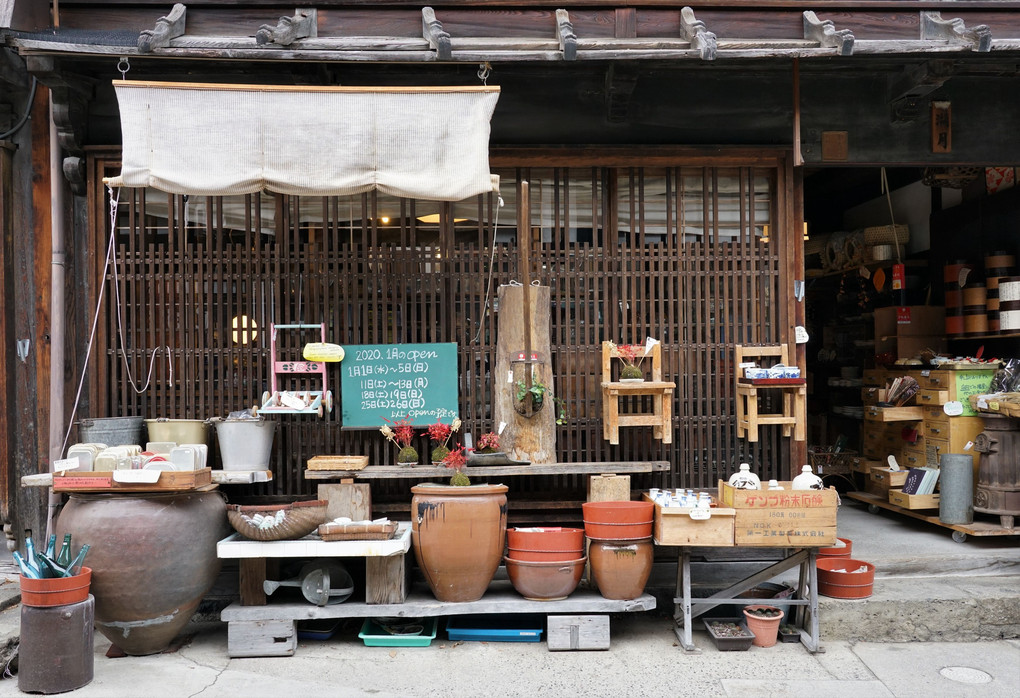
695,31
433,32
168,27
303,25
955,31
824,32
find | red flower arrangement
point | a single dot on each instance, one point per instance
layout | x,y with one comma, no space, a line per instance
401,434
632,356
488,443
456,459
440,433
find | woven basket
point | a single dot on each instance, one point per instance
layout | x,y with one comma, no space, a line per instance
299,519
887,235
826,462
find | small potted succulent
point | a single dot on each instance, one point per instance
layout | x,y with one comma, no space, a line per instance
401,434
440,434
764,622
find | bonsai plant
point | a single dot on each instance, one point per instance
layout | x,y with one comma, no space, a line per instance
632,355
401,434
440,434
488,443
456,460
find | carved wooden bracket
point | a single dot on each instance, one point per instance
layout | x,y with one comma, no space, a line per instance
432,31
169,27
302,25
917,82
566,35
694,30
825,33
933,27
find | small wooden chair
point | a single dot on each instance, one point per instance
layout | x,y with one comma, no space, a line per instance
794,414
661,416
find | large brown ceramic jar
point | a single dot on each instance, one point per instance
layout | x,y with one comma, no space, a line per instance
621,568
458,534
153,558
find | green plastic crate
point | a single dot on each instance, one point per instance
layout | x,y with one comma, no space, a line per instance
375,635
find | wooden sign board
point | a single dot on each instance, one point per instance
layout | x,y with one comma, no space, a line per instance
417,382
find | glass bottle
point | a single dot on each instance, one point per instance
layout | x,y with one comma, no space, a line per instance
75,566
51,547
64,557
48,567
30,556
26,569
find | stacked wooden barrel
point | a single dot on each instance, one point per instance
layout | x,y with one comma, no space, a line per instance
1003,301
952,274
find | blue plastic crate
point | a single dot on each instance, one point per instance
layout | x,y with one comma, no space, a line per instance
497,628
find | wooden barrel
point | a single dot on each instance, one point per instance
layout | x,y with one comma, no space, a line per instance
975,319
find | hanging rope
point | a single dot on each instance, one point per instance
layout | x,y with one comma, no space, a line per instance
892,217
492,262
112,261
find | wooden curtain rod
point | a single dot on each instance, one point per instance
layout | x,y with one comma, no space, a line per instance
413,89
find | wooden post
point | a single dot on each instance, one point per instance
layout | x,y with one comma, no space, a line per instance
347,498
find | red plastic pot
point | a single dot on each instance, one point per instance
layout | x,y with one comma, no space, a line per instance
618,520
845,584
553,544
57,591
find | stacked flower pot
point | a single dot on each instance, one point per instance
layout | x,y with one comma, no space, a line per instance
620,550
546,563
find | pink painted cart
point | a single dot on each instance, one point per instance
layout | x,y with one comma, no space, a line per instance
295,402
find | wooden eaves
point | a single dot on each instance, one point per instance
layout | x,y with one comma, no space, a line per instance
294,37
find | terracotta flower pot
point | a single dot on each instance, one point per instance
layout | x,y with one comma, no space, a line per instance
458,535
624,520
621,568
545,581
545,544
766,630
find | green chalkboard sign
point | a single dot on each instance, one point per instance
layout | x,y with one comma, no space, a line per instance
397,381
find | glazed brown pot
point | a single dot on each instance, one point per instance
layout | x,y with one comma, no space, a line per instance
153,558
545,581
621,568
458,535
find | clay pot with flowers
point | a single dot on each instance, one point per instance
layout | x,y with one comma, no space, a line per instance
401,433
440,434
458,532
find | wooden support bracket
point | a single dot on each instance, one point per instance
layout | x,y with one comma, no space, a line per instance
169,27
694,30
566,35
824,32
914,84
302,25
432,31
934,28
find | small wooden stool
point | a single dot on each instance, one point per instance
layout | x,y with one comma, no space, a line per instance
793,417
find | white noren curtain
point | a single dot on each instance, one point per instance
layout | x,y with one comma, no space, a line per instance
218,140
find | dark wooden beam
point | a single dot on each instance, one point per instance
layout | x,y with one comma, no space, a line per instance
168,27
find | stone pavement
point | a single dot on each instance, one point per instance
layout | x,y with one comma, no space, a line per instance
942,622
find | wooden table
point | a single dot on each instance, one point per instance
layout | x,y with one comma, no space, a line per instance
419,472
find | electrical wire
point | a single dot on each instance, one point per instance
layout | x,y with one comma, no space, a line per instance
492,261
24,117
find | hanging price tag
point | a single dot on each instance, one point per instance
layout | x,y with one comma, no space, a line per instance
898,276
903,316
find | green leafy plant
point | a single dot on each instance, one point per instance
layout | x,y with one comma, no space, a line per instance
537,391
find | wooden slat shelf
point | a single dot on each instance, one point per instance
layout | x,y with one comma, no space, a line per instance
418,472
977,528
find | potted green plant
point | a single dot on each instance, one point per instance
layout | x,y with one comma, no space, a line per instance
440,434
401,434
536,391
764,622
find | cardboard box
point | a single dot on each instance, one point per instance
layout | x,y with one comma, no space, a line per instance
674,526
907,331
782,518
914,501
